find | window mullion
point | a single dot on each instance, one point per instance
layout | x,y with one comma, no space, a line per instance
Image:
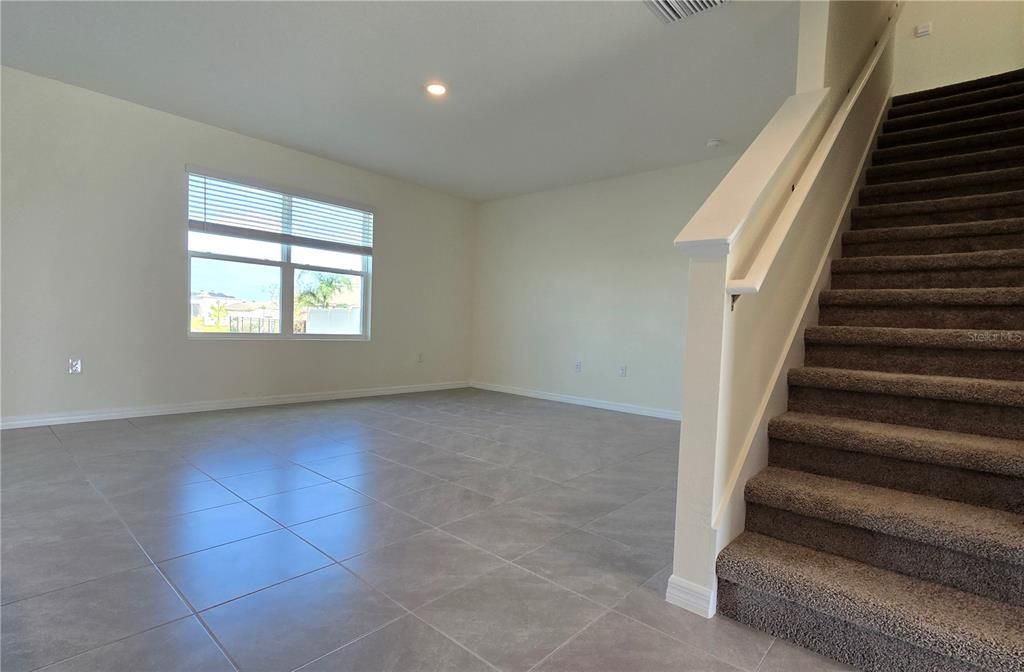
287,272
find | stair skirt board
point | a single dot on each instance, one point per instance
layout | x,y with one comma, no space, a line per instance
887,531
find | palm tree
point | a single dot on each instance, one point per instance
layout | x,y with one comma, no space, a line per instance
218,312
321,296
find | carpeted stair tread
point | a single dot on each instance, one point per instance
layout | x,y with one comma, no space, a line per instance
953,129
967,144
941,166
947,90
933,206
936,117
916,444
953,95
994,180
888,529
928,262
1008,393
968,628
969,296
961,230
952,339
994,234
973,530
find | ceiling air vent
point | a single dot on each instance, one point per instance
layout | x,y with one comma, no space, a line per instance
676,10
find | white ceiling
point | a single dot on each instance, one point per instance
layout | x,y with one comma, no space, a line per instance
543,94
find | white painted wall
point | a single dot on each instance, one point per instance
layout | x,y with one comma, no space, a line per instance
969,40
588,273
94,265
835,40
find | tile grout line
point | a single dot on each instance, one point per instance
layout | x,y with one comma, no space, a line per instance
114,641
566,642
760,663
158,569
504,562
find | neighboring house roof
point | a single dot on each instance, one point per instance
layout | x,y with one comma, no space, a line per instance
212,295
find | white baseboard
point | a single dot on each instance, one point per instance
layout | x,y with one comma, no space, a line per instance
688,595
665,414
19,421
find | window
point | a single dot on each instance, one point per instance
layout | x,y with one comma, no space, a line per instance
275,264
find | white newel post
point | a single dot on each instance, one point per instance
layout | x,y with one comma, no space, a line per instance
706,361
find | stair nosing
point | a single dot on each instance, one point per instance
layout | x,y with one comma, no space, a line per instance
987,82
972,452
983,391
960,109
916,337
915,517
960,296
932,231
945,261
953,159
927,184
933,205
939,128
882,152
922,613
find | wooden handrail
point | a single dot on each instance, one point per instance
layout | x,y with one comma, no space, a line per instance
752,185
754,277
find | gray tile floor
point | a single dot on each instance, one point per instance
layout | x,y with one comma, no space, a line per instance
460,530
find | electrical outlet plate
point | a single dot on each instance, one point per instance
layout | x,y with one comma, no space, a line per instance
923,29
579,366
74,365
623,371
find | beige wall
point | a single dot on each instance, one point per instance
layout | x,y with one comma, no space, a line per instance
589,273
853,27
94,265
968,40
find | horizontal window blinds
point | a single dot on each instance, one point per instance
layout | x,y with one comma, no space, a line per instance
226,208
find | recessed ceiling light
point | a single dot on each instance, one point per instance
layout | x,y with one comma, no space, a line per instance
437,89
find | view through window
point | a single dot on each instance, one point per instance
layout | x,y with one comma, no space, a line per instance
275,264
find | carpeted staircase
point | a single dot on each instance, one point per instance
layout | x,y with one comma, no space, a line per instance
888,530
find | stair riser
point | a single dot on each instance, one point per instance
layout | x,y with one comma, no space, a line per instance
1009,241
951,416
993,187
924,317
860,222
994,364
862,648
894,174
972,574
935,480
939,279
953,114
905,107
958,129
1009,157
946,148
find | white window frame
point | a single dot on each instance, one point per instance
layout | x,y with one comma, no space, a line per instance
287,269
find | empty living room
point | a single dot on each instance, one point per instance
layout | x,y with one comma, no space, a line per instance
512,336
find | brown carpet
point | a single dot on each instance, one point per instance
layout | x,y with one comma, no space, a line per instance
888,530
